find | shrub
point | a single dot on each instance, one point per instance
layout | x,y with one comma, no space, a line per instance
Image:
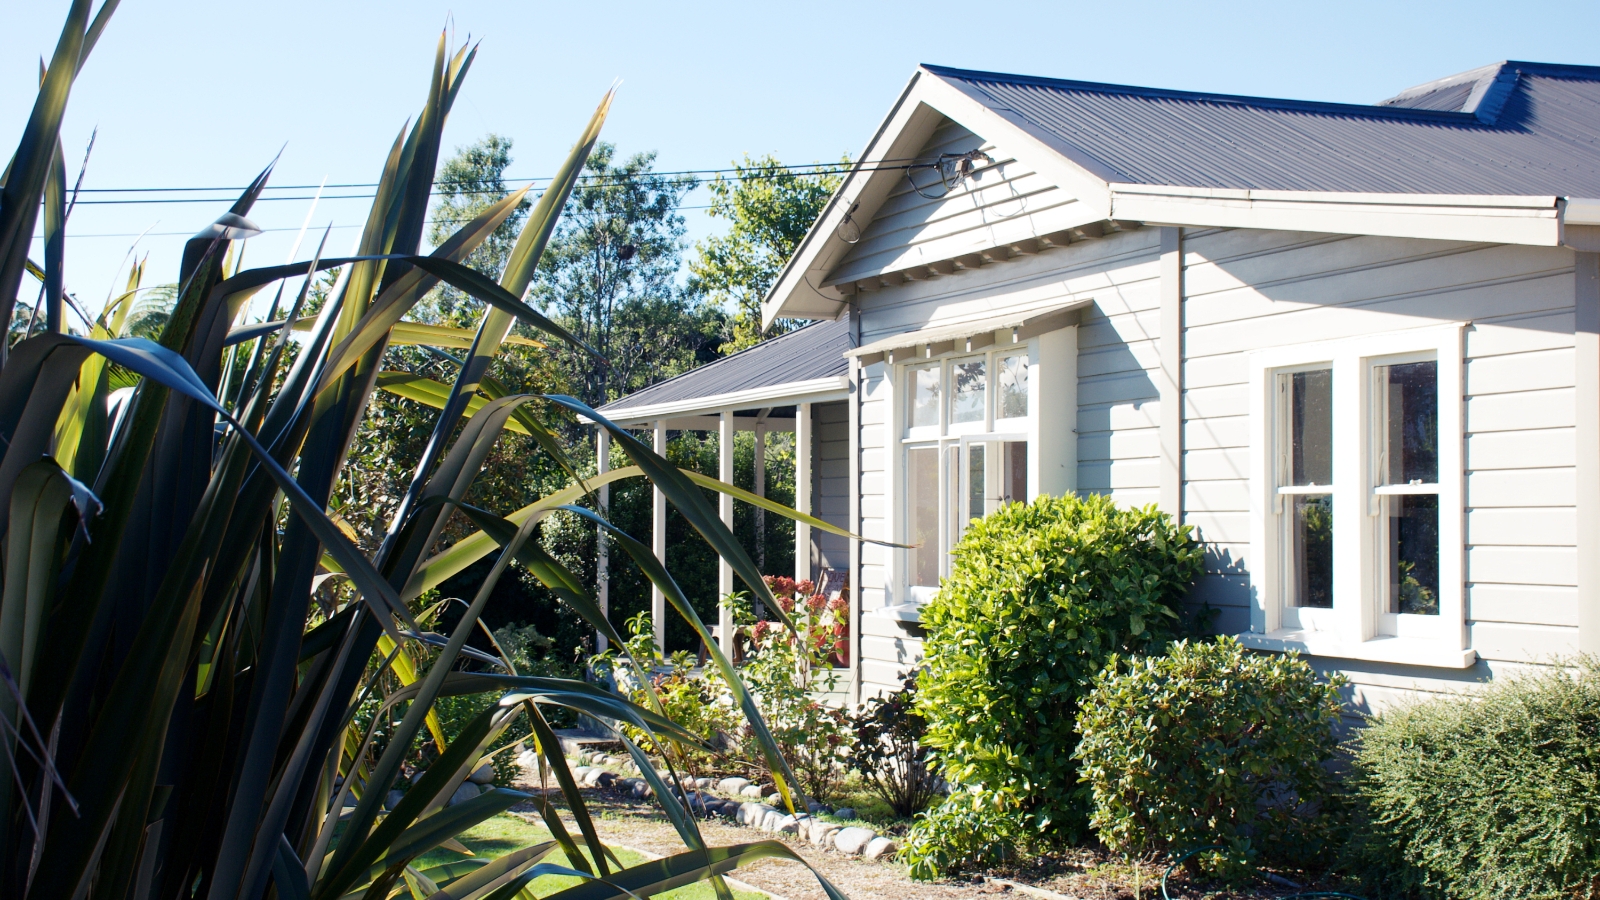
969,830
1494,796
889,753
1038,598
701,704
1211,744
785,673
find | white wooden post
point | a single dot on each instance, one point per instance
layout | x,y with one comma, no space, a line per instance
761,490
802,490
658,543
725,507
602,554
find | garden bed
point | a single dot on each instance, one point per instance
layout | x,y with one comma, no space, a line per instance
639,823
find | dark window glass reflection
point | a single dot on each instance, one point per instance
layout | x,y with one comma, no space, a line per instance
1311,426
1413,554
1411,393
1311,537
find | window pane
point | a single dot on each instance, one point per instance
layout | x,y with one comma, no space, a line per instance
967,392
922,493
1311,427
1013,397
1311,549
1411,398
975,481
924,397
1413,554
1016,473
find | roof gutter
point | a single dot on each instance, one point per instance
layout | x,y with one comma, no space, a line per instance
787,394
1488,218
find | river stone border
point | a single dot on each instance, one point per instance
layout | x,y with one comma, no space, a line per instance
851,840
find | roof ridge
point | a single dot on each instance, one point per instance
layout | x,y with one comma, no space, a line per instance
1319,106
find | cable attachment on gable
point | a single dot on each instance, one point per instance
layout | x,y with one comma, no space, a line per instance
951,169
848,230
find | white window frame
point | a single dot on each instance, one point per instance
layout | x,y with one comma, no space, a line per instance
950,436
1353,628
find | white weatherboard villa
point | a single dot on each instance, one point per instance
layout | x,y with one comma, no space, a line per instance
1356,347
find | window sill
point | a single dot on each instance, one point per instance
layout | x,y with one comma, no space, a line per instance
1405,651
900,612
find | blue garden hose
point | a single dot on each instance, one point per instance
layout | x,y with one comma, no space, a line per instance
1180,860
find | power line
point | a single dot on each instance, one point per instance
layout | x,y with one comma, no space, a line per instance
120,234
754,173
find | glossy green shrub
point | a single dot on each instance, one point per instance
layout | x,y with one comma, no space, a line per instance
1492,796
1039,598
969,830
1211,744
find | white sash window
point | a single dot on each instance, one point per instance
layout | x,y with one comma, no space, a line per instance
1357,539
965,427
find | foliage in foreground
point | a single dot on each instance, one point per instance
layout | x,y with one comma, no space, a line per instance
1496,796
1211,744
184,684
1038,599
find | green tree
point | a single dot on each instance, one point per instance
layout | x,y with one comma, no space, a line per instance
391,438
469,182
771,207
609,276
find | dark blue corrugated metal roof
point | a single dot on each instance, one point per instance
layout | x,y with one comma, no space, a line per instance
1513,128
815,351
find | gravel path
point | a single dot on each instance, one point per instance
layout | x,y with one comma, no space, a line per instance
640,824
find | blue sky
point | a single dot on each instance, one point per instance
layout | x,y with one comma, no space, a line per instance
187,93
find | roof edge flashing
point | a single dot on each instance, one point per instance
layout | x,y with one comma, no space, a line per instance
1310,106
1490,95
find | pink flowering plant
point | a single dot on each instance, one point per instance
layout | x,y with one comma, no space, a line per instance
790,673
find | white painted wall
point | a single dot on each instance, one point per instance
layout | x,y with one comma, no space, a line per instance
1243,290
1118,273
1249,290
1003,201
830,480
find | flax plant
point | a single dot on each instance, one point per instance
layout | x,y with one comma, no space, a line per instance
178,716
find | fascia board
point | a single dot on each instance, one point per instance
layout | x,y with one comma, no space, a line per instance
813,390
795,293
1501,220
1511,201
1581,211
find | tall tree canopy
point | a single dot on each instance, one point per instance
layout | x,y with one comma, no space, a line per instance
610,276
469,182
771,207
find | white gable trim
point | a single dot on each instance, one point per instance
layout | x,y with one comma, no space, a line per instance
1491,219
803,289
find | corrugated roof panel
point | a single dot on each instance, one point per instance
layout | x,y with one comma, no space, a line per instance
815,351
1540,137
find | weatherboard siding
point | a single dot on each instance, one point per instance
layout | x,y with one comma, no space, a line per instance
1001,202
1251,290
830,478
1119,274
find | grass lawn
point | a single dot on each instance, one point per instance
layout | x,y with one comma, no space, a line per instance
504,833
